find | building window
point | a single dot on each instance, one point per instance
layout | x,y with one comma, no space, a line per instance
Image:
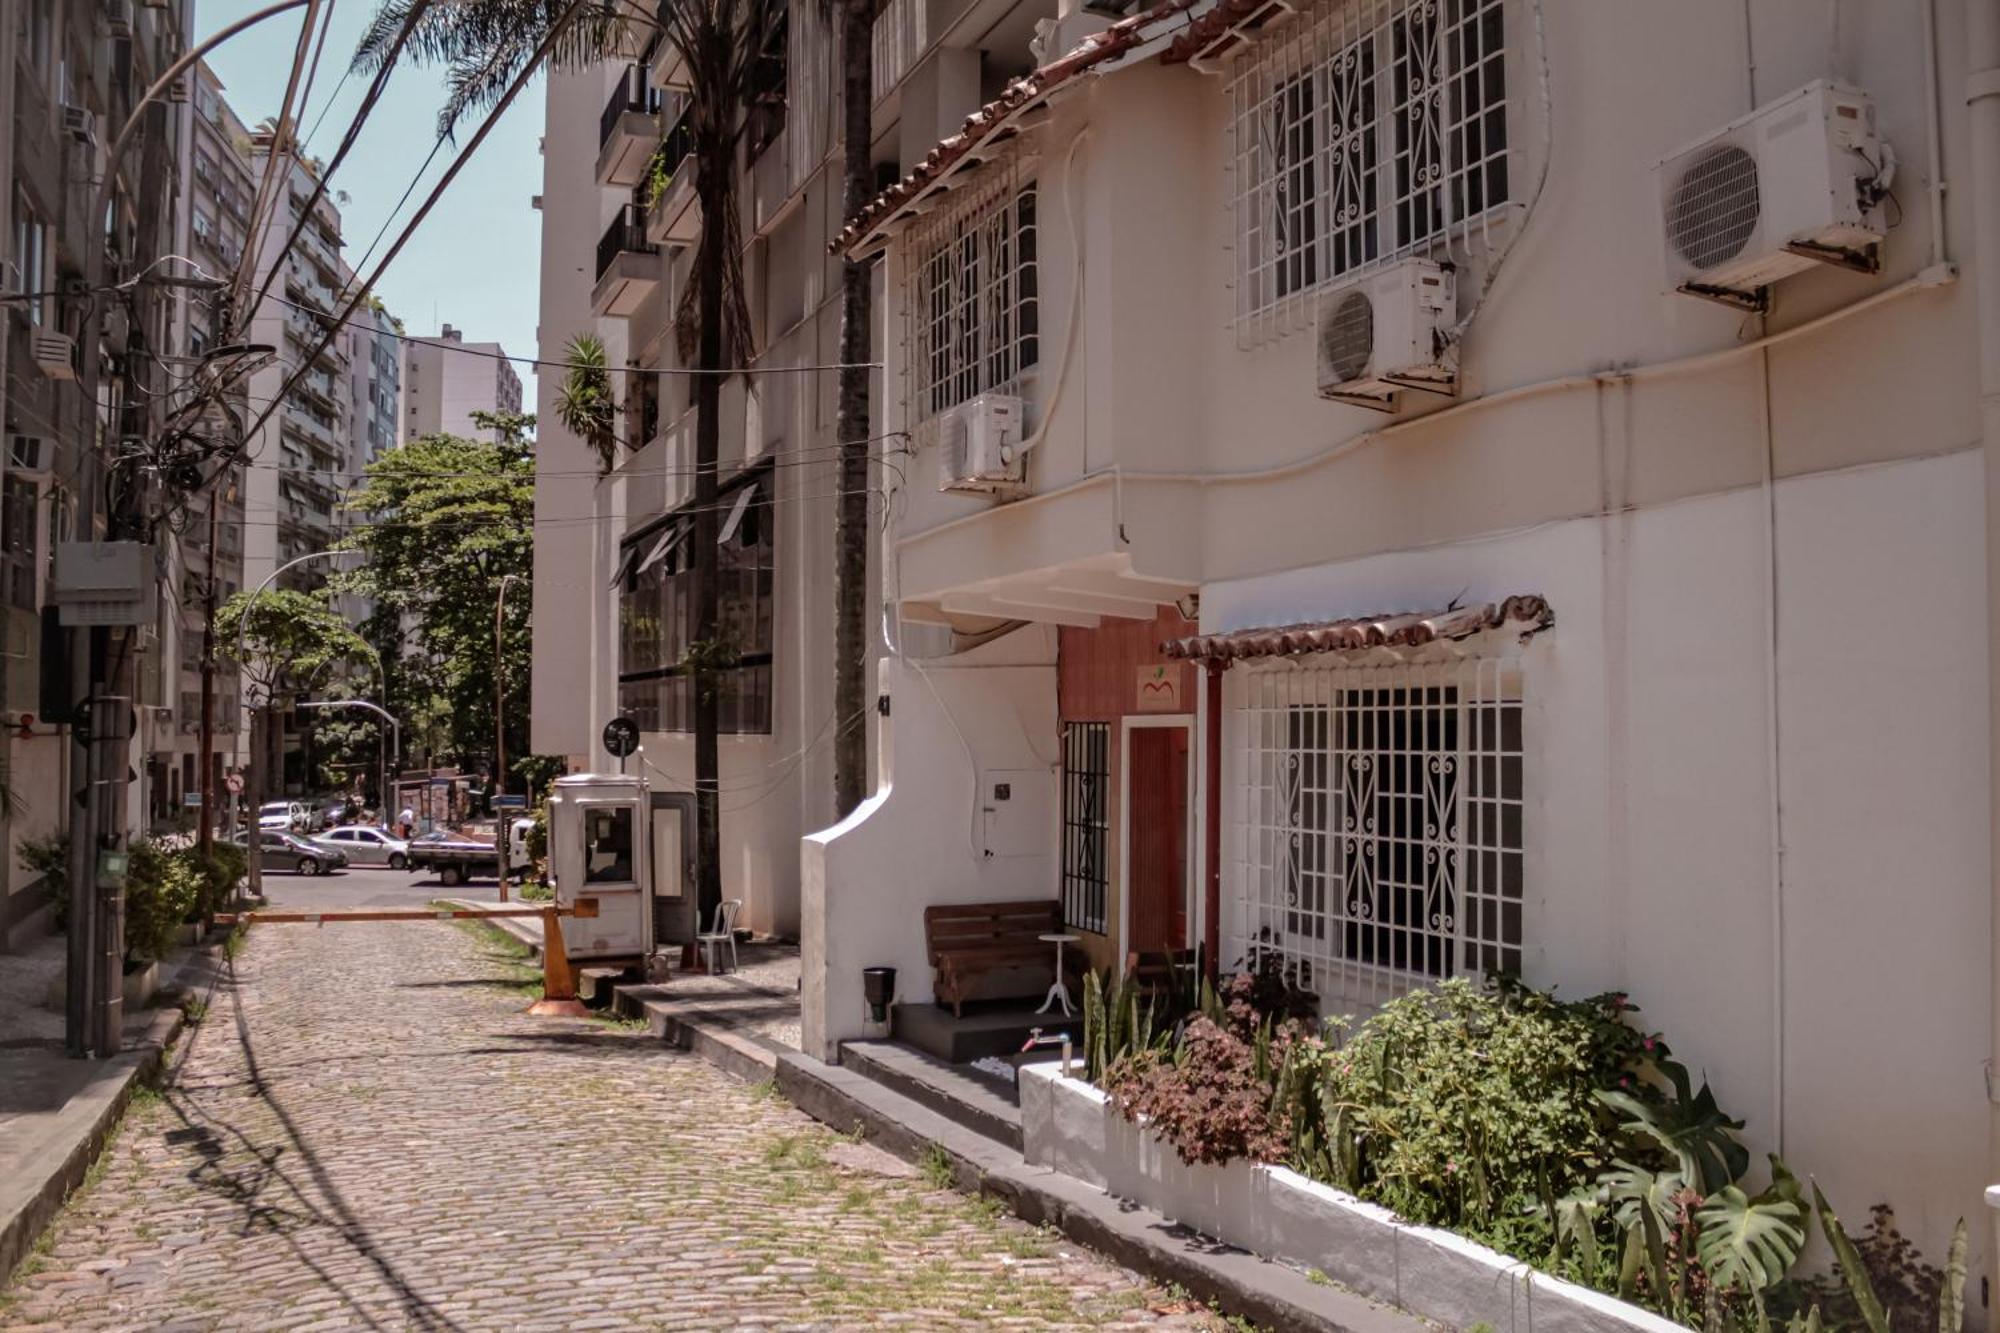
30,258
1377,129
973,311
1383,847
19,522
1086,781
657,616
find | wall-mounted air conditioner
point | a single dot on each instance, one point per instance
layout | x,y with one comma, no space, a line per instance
118,18
1388,332
80,124
54,354
1795,184
980,445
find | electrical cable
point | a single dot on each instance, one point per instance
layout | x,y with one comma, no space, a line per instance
252,241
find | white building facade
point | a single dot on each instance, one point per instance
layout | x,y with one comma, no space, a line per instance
447,379
1583,602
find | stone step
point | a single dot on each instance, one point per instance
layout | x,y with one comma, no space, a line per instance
981,1102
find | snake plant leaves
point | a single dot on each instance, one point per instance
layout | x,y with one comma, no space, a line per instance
1851,1267
1749,1243
1688,1126
1951,1294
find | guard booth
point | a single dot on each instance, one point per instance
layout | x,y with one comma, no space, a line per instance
600,846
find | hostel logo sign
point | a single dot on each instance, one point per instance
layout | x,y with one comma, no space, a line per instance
1161,688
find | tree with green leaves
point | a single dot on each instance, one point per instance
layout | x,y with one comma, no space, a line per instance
483,45
585,404
443,520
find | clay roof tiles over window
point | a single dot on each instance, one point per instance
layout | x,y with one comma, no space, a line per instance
997,121
1404,629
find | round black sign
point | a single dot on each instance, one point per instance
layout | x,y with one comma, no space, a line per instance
621,736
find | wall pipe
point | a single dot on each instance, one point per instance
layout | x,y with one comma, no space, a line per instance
1982,95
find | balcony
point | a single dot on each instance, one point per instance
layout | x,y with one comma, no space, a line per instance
668,70
627,130
674,218
628,266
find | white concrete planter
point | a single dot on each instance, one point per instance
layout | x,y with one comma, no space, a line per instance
1071,1127
142,986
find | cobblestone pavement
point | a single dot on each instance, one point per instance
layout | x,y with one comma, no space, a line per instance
365,1132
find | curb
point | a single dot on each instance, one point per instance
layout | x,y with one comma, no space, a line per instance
1269,1294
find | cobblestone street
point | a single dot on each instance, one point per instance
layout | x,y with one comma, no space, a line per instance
366,1132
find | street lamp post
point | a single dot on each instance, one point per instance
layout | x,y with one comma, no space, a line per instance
261,734
395,729
501,829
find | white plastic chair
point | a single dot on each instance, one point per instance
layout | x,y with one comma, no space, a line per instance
724,933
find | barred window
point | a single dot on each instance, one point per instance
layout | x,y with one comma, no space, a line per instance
20,520
1375,129
1086,778
1383,839
973,312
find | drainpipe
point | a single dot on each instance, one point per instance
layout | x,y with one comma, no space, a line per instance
1211,818
1982,95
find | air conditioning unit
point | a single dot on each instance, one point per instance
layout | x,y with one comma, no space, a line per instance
1388,332
1795,184
27,454
118,18
177,91
980,445
54,353
80,124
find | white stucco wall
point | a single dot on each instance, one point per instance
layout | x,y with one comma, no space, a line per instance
1650,807
955,724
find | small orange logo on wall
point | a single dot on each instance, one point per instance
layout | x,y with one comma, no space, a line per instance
1162,688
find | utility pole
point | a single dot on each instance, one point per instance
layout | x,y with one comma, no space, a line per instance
500,821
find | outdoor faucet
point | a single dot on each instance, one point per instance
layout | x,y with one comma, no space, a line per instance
1035,1038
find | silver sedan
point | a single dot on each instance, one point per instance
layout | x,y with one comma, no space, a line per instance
365,844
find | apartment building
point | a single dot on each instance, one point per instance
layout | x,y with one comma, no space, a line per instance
1406,485
376,363
613,595
449,379
70,71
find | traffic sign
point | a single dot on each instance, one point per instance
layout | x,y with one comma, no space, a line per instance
621,737
510,802
235,784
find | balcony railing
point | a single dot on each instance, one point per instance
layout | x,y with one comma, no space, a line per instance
634,92
625,235
678,145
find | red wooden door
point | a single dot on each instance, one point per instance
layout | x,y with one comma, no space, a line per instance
1156,760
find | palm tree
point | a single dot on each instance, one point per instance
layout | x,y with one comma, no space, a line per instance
483,44
584,404
851,433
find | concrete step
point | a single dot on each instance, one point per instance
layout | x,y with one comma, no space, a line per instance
986,1029
981,1102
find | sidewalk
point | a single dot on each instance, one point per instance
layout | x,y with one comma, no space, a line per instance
55,1111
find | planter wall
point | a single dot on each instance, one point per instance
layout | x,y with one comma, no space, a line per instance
1069,1126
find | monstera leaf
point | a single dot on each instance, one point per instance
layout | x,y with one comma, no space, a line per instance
1689,1127
1748,1243
1642,1204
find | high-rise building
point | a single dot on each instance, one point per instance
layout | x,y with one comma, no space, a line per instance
449,379
71,73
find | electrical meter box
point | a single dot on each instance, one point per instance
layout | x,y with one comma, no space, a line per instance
599,847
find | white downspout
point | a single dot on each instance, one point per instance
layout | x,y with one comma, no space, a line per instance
1982,95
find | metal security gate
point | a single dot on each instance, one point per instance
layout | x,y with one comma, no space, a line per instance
1380,826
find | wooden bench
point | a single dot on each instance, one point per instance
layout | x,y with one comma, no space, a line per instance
994,951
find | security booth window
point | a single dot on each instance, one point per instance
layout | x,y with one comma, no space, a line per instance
607,846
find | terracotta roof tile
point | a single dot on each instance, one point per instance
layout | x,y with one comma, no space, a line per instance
1405,629
986,124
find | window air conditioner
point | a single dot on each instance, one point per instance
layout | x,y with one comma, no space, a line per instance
79,124
55,354
177,91
980,446
1795,184
1385,333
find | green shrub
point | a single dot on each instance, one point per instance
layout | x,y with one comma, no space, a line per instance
48,857
163,889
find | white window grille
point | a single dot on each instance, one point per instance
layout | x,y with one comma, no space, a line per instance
1370,130
1380,836
972,308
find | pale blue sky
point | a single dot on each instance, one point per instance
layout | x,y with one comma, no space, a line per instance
474,263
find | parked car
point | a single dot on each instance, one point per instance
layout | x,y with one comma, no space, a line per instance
288,851
364,844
